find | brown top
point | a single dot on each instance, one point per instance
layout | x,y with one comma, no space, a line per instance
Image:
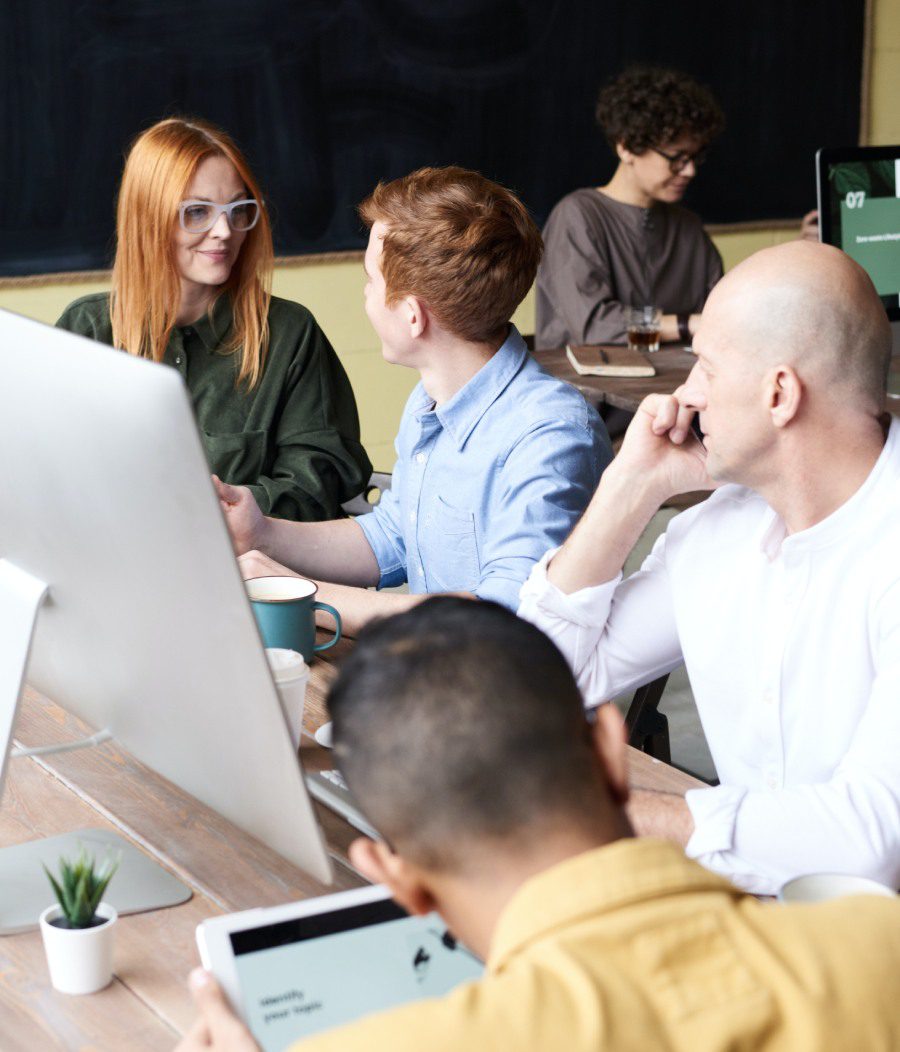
602,256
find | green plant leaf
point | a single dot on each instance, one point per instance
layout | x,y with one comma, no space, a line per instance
82,884
57,891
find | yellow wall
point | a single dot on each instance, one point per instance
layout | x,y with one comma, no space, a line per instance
884,81
333,291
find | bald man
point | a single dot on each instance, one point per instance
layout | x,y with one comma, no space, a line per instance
780,593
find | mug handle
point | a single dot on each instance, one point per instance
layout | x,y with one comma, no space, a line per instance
337,626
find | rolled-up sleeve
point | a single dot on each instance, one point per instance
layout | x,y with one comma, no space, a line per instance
714,269
615,636
850,823
382,529
548,477
575,277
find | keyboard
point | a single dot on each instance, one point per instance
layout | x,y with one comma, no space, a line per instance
330,789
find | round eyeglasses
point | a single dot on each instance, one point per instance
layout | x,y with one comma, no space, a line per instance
679,161
196,217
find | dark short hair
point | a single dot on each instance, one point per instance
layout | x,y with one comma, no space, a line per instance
649,105
458,721
462,243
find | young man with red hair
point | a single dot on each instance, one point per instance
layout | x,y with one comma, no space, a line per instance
496,459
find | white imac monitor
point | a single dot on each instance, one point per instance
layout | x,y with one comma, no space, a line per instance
145,628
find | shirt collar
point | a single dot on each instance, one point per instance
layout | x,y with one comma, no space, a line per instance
215,325
775,540
460,415
600,881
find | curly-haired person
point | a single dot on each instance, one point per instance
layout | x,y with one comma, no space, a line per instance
630,243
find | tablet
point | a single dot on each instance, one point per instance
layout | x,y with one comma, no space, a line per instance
291,971
858,191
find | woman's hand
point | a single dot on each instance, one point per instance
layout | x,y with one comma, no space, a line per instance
809,226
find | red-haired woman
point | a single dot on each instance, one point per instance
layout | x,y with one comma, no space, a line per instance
190,288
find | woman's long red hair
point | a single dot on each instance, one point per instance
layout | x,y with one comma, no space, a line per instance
146,287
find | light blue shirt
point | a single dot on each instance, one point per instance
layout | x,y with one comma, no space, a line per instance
487,482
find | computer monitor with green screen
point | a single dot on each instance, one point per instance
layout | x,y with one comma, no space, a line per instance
858,191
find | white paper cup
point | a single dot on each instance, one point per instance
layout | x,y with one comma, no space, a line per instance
291,674
820,887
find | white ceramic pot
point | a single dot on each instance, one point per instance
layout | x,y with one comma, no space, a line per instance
79,959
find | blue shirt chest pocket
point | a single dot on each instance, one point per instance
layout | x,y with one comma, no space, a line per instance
452,563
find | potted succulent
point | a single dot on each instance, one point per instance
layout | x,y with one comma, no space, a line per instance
78,930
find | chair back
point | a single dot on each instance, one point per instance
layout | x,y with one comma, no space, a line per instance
370,496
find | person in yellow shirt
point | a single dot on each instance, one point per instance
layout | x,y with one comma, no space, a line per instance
462,729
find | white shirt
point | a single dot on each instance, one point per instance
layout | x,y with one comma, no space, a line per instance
792,645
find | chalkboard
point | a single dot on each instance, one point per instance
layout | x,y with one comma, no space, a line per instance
329,96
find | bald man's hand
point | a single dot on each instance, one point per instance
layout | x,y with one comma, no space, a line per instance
660,449
660,457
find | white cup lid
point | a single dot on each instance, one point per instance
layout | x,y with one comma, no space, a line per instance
286,664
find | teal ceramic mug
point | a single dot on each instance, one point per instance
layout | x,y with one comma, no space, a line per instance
285,610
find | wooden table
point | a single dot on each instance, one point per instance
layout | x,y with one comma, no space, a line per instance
147,1006
672,364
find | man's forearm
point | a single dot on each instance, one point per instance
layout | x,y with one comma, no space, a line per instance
332,551
357,606
599,545
664,815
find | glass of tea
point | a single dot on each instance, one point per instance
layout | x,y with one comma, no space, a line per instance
643,328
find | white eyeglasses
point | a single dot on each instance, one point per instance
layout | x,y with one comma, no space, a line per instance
196,217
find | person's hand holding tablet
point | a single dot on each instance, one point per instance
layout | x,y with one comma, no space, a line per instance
289,972
217,1026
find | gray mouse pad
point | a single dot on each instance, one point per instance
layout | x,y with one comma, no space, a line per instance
139,883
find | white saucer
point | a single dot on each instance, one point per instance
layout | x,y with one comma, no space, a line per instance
323,735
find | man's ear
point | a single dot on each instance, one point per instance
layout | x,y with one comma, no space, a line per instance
609,745
378,863
785,393
416,315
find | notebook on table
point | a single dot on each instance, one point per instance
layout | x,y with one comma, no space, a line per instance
595,359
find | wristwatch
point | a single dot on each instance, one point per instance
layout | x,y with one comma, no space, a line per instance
684,331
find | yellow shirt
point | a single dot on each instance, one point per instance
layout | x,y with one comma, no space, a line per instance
633,947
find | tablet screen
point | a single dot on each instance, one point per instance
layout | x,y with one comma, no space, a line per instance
307,974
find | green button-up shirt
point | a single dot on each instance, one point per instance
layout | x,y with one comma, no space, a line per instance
293,439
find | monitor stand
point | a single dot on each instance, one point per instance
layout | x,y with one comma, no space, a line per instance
140,883
21,596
